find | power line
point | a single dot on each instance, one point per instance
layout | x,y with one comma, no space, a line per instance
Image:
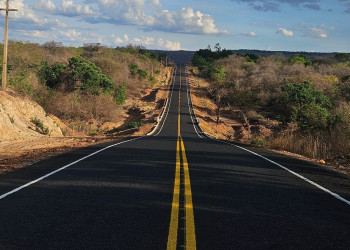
39,27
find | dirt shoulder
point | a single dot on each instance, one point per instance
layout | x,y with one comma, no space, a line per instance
232,126
27,150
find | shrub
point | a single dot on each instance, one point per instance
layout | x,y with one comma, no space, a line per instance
52,76
120,94
39,126
300,59
21,84
133,69
152,79
141,74
135,124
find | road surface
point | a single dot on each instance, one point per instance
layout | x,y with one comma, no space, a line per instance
175,189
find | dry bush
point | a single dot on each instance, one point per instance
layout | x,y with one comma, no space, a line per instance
83,106
257,87
115,64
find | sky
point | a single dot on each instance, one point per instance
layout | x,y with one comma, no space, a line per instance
289,25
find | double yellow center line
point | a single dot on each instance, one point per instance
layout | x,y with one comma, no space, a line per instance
190,236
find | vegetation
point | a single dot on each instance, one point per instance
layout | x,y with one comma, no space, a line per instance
80,84
135,124
120,94
301,59
306,97
77,74
39,126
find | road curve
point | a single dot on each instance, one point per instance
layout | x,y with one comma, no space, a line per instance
177,189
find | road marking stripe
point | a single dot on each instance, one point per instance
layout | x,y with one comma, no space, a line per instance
337,196
190,227
189,106
174,221
171,97
62,168
190,241
179,109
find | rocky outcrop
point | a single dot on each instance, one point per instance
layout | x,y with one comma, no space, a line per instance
22,119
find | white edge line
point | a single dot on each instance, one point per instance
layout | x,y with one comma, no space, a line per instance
62,168
189,106
171,97
199,125
337,196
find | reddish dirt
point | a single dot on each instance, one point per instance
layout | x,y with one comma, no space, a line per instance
24,152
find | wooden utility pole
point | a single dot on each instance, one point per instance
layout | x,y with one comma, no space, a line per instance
4,64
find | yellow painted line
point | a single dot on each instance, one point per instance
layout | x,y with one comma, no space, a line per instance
174,221
190,227
189,217
179,109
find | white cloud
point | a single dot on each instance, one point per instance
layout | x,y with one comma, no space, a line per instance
66,8
156,4
252,34
186,20
71,34
47,5
151,15
285,32
124,11
35,33
118,40
148,42
169,45
79,37
317,33
60,24
24,12
126,38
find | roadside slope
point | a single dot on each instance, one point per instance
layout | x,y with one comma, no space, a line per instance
23,119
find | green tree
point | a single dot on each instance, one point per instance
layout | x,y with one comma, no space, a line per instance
53,75
307,106
89,75
301,59
304,94
219,74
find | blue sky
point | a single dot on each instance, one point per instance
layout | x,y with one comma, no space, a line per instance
293,25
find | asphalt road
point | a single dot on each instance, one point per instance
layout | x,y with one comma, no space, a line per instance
174,190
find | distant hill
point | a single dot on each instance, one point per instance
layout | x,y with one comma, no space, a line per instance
288,54
183,56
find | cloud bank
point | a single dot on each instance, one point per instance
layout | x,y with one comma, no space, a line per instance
148,14
148,42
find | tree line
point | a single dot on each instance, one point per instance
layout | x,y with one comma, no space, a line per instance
308,98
